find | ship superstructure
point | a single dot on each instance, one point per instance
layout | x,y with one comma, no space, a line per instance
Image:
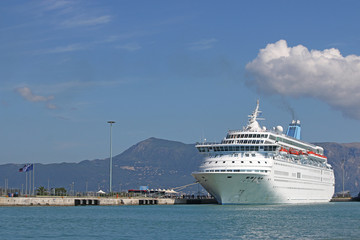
259,166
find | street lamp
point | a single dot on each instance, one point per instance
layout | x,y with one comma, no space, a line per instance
343,174
111,123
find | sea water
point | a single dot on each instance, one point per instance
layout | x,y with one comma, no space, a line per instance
313,221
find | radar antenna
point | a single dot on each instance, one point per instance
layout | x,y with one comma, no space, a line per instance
252,123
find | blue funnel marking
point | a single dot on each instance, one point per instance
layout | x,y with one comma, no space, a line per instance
294,129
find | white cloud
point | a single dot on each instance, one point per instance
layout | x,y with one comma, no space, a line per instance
299,72
50,5
86,21
51,106
130,47
203,44
28,95
62,49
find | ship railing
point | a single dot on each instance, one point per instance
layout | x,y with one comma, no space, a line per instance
206,143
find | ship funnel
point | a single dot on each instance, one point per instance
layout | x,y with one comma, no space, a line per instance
294,129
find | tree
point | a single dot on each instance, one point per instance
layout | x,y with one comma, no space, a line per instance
41,191
60,191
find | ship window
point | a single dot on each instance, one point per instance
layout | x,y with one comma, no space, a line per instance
246,136
216,170
247,148
250,161
258,136
253,141
253,154
242,161
265,162
224,161
236,170
229,170
256,148
237,148
242,148
245,141
241,135
221,148
222,170
259,162
216,162
257,141
230,148
246,155
233,161
238,136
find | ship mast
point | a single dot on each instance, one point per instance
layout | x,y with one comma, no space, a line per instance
253,125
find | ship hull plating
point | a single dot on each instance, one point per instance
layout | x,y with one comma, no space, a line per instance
244,188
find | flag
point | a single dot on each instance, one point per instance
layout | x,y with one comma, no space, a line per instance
30,167
27,168
22,169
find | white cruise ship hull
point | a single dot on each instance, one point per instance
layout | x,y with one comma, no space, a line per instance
262,188
259,166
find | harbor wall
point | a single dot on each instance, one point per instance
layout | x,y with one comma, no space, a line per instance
73,201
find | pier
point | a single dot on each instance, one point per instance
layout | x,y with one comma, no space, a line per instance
82,201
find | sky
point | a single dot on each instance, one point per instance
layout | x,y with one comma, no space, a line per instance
176,70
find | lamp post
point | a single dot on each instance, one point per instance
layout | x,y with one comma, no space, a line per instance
343,174
111,123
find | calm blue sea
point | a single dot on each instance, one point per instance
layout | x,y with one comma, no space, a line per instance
319,221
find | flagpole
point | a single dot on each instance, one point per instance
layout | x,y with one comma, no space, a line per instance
25,183
29,183
33,179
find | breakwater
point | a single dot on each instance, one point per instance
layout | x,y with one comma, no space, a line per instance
81,201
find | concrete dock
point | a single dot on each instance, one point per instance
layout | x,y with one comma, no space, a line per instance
82,201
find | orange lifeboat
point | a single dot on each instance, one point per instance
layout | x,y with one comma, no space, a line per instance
316,156
293,151
283,151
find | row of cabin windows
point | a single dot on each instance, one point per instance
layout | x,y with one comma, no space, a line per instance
229,136
239,170
280,139
234,162
243,141
237,148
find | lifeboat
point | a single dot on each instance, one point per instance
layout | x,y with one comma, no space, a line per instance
316,156
293,151
303,153
283,151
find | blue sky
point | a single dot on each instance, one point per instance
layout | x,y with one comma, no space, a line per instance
178,70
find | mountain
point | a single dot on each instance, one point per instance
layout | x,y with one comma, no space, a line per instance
349,153
153,162
158,163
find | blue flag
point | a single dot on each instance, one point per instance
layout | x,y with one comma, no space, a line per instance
30,167
27,168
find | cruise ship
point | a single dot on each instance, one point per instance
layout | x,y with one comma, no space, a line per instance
260,166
